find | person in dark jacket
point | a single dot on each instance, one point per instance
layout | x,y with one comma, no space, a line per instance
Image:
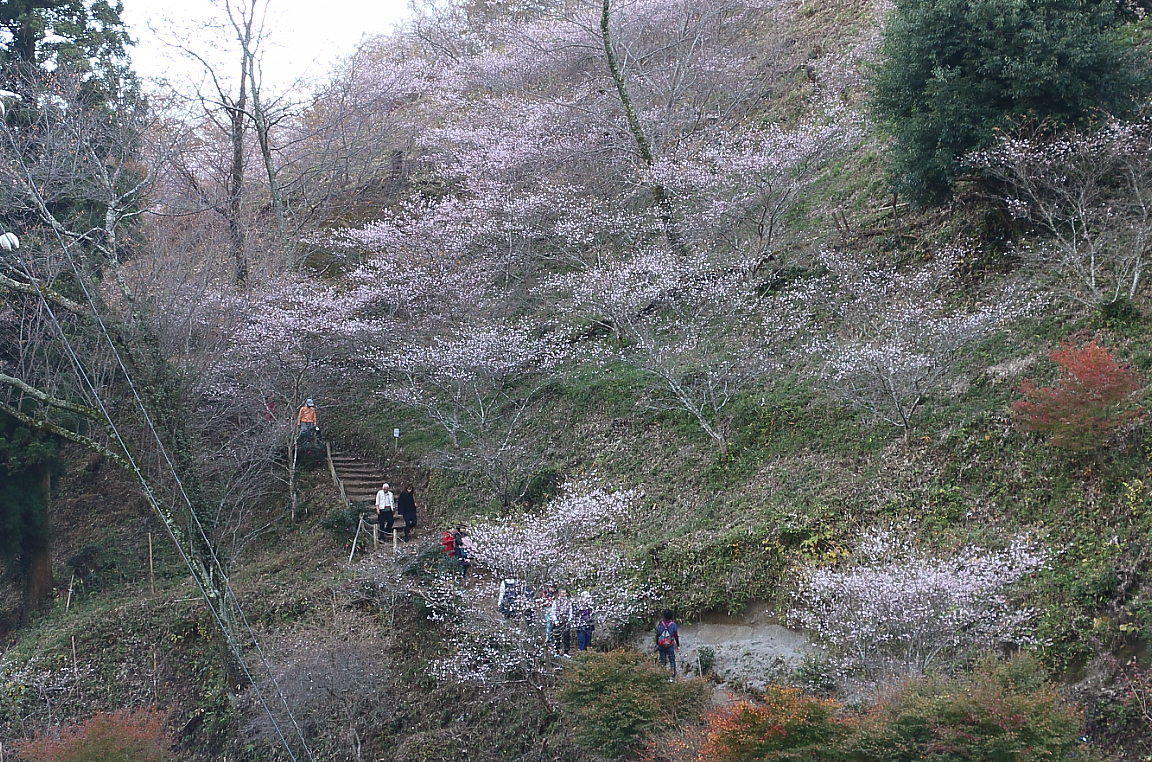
406,504
584,621
667,640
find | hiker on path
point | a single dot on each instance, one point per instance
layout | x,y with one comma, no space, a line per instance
667,640
306,420
584,621
560,614
544,604
462,543
385,509
448,543
406,503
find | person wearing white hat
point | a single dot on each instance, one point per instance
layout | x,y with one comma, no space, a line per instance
306,420
385,509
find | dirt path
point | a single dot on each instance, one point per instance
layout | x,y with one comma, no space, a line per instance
752,649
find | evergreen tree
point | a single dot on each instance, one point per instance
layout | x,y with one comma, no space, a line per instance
27,459
87,37
956,71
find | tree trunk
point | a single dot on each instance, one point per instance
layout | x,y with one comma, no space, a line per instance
659,193
38,583
263,138
236,191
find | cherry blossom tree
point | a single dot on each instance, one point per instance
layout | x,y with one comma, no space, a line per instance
895,609
561,545
690,328
736,187
477,387
885,338
1089,194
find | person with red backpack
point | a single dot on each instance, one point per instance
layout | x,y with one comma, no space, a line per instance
667,640
448,543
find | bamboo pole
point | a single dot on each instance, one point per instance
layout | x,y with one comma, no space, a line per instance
68,600
292,475
335,478
151,567
356,539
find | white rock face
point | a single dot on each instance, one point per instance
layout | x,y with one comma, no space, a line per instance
752,649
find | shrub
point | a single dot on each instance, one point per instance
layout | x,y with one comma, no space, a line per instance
895,609
954,72
1002,712
706,657
788,726
621,696
121,736
1094,396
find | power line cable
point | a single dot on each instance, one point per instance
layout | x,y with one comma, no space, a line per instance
218,566
83,374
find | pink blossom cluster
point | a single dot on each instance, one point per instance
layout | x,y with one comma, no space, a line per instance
738,185
287,322
38,685
894,607
562,546
884,338
1086,194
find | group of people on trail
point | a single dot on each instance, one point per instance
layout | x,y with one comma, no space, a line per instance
562,615
457,544
388,505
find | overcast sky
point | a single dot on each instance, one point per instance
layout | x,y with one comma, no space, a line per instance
304,37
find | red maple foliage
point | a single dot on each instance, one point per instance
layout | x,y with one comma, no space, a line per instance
787,726
120,736
1094,396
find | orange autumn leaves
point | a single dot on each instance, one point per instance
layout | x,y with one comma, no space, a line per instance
788,725
1094,396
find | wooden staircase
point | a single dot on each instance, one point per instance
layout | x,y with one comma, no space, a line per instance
361,479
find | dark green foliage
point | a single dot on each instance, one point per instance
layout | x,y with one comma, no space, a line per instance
25,458
1002,712
83,36
956,71
621,696
1119,316
721,572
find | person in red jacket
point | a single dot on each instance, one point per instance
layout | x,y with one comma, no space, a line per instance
448,542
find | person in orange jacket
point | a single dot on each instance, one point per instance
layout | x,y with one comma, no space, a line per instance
306,420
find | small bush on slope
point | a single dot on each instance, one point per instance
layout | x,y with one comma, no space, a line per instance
620,696
109,737
1004,711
